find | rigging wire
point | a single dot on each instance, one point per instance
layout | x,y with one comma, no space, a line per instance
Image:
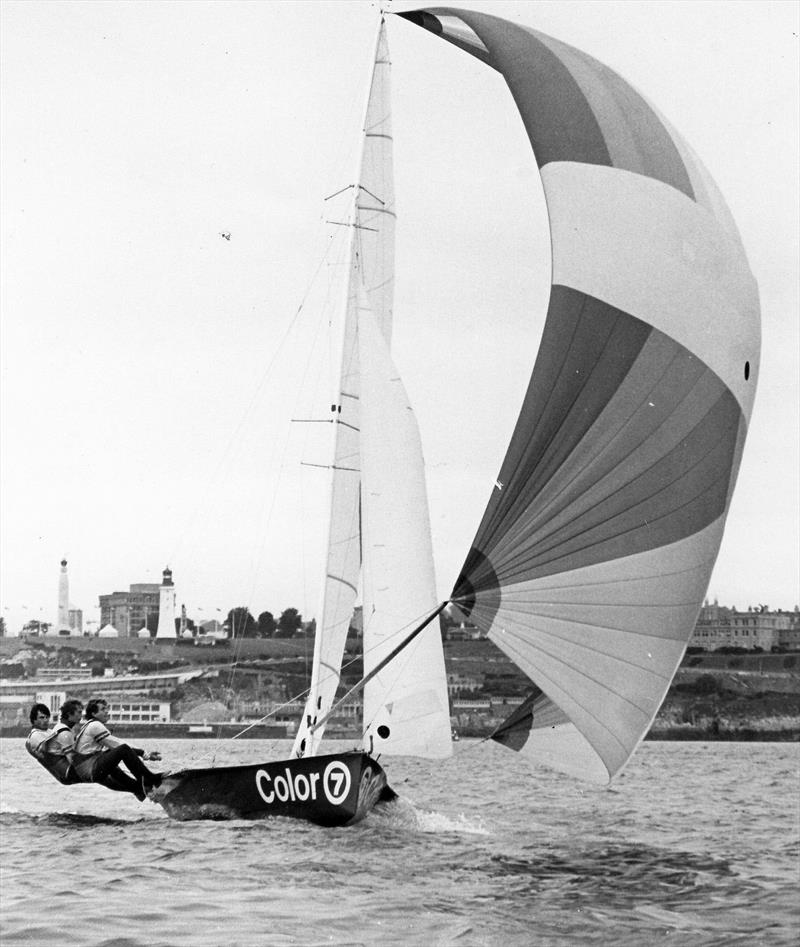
380,665
202,501
326,306
268,505
331,248
304,693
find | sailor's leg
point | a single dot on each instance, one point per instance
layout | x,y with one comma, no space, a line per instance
120,782
110,760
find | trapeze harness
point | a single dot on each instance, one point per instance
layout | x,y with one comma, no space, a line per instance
79,760
57,764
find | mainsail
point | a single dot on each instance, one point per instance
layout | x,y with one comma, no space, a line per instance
595,551
365,467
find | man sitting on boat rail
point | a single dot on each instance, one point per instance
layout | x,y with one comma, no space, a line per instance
53,748
98,755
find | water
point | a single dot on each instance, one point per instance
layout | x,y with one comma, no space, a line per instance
696,844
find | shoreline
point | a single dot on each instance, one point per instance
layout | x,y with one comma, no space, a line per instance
227,730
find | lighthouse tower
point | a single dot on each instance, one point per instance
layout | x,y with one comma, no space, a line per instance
166,607
62,621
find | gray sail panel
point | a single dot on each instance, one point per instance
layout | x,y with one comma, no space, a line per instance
574,108
574,491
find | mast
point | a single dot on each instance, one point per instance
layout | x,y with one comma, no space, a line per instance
370,266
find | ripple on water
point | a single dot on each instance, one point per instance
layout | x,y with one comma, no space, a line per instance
694,844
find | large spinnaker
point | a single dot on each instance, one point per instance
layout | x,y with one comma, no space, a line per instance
370,271
597,545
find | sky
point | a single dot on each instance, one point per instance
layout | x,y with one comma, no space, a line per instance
151,366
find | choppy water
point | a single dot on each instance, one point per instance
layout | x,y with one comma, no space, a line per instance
696,844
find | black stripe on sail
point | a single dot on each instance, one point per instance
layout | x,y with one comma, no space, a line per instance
574,108
514,730
536,712
581,486
477,573
429,21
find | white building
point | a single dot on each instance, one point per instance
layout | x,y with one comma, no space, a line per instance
166,607
720,627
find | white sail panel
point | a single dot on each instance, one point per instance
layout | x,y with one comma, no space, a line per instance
375,233
371,269
603,641
405,705
609,227
564,748
343,559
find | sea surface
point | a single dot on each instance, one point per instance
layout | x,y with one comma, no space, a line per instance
695,843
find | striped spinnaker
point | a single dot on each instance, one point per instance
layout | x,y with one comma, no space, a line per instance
597,544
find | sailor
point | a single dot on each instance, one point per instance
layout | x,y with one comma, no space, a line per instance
63,743
98,756
51,747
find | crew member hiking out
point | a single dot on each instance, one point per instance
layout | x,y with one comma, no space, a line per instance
98,756
52,747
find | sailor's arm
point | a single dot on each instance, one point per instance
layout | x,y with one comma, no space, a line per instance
110,742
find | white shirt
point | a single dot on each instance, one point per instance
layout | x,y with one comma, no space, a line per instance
91,739
36,740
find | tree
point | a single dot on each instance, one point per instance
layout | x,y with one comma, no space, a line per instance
241,623
2,627
707,684
190,626
288,623
266,624
450,617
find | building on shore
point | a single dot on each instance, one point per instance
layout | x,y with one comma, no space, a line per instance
721,627
133,698
460,683
129,611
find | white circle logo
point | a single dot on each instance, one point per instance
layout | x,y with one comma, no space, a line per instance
336,782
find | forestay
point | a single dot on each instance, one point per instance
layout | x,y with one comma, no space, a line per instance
378,511
597,544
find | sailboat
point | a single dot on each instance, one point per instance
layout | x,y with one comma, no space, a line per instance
598,539
378,534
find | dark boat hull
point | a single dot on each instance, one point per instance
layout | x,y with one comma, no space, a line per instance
333,790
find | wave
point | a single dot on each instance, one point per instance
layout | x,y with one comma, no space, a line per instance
16,817
402,814
616,870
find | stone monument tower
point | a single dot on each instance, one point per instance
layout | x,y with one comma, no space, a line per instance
62,621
